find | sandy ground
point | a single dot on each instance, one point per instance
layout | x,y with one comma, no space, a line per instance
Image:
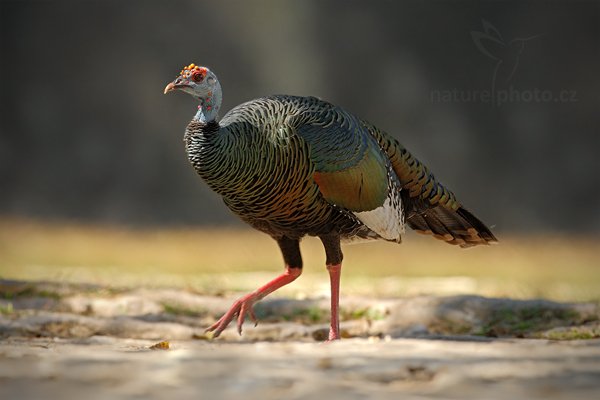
82,341
108,367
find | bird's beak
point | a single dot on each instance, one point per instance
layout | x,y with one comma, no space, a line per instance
170,87
176,84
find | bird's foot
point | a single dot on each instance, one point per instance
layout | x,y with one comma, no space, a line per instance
244,305
334,334
240,308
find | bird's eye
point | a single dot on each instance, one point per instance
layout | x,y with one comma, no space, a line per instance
197,76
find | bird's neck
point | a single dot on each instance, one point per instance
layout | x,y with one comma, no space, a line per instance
208,109
209,150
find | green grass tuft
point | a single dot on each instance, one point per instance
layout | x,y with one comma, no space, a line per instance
179,310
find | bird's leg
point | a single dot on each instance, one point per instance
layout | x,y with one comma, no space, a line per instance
244,304
334,279
334,255
293,260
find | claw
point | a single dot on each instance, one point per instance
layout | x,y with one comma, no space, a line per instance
253,316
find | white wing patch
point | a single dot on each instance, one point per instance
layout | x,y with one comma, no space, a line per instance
388,220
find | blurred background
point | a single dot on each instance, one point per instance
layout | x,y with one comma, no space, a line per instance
499,99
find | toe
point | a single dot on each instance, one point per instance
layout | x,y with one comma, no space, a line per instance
253,316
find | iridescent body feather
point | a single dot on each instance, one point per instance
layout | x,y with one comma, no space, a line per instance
294,166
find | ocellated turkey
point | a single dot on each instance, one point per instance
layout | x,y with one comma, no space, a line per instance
293,166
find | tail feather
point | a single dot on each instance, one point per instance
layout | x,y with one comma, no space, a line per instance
437,226
458,227
482,230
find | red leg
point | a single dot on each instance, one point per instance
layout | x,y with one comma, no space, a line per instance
244,304
334,278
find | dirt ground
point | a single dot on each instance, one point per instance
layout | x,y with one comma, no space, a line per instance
61,341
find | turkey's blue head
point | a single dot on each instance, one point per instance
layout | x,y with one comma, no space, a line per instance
202,84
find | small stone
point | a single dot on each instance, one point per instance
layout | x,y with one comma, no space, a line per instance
164,345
